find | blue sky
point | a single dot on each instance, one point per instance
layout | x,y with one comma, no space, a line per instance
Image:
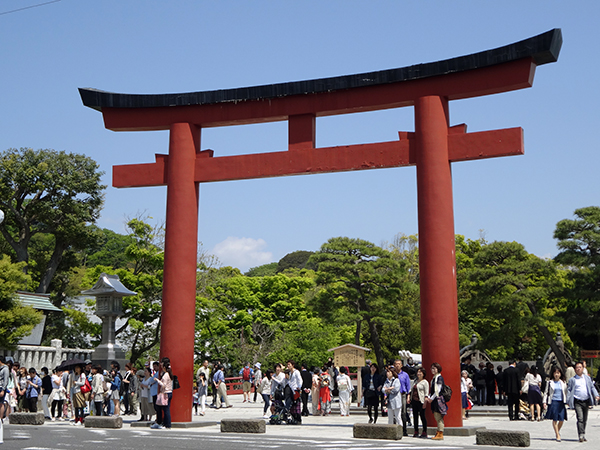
47,52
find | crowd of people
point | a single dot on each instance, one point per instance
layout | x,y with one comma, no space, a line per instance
301,391
530,393
71,393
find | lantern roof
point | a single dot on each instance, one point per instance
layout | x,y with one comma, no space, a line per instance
109,284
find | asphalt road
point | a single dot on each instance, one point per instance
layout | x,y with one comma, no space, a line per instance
46,438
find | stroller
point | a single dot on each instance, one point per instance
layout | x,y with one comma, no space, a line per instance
281,414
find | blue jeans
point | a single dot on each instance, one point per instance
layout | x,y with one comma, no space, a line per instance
267,402
110,407
163,414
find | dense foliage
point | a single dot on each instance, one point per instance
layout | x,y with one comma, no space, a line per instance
349,291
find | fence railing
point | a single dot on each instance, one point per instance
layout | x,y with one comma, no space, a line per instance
39,356
234,384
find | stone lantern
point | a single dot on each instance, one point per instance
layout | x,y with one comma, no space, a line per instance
109,293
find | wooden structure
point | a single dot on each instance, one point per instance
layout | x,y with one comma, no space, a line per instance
352,356
432,147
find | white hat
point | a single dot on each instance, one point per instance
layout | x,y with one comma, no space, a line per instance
257,365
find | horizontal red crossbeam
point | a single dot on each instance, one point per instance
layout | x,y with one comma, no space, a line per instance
472,83
461,147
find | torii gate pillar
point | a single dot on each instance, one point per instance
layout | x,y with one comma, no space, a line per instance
432,148
437,262
179,277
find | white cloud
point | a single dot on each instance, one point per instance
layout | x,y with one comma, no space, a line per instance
242,253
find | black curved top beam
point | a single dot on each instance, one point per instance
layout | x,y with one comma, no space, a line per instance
543,48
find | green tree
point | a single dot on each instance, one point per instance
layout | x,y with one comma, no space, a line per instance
50,192
512,302
242,318
360,283
144,274
266,270
579,245
108,249
295,260
16,321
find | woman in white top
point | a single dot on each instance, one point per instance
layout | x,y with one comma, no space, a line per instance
438,404
416,399
97,389
78,398
534,394
165,394
147,406
555,398
265,389
345,391
58,394
465,386
277,383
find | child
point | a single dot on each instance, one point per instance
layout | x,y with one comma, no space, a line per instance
202,392
195,401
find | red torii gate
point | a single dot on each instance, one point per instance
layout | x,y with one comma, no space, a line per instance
431,147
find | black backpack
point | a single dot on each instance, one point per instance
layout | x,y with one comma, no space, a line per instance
446,392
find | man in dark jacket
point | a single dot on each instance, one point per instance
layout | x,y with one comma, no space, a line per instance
512,389
479,382
306,385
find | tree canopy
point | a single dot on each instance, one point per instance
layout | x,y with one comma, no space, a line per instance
511,299
579,245
16,321
49,192
360,283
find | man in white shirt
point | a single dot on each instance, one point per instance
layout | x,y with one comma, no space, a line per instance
292,391
581,394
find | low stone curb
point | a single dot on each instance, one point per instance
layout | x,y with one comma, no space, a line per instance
148,424
243,426
377,431
25,418
456,431
103,422
503,437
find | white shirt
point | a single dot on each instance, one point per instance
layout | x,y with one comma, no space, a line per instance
277,380
295,381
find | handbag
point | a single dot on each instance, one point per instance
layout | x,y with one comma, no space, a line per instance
87,387
370,393
525,387
162,399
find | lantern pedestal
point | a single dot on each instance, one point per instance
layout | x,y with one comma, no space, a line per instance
109,293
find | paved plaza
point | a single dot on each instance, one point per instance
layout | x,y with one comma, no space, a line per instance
327,433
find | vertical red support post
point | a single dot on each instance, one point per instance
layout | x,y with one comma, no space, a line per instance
301,131
179,280
437,260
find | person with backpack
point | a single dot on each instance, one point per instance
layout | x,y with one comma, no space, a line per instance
247,374
437,401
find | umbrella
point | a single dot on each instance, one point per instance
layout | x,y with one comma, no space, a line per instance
71,363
